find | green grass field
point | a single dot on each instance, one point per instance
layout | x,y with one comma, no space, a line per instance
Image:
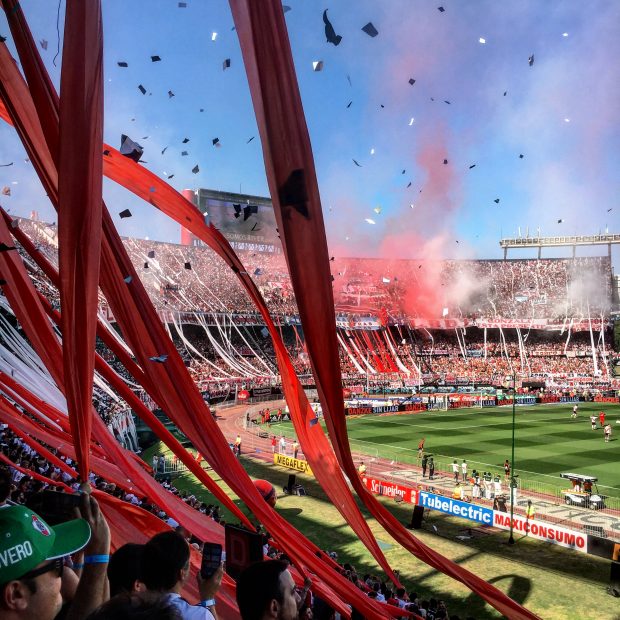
555,583
547,441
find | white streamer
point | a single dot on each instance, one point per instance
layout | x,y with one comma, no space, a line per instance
344,346
362,357
396,358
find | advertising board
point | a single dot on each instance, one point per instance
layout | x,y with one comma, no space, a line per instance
390,489
542,531
291,463
456,508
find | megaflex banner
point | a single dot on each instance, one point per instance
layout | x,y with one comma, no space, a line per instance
390,489
291,463
456,508
542,531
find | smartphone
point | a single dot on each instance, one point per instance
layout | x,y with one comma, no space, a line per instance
53,506
211,559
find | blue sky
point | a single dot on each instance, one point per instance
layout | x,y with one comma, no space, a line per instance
561,114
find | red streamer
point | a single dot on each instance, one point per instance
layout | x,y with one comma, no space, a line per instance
79,210
294,190
138,317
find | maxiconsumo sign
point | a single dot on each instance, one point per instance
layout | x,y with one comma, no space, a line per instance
542,531
535,529
456,508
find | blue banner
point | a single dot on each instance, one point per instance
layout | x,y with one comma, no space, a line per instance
456,508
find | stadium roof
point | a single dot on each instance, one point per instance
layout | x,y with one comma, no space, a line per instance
559,241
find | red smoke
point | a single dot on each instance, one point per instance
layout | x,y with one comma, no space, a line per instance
424,231
413,247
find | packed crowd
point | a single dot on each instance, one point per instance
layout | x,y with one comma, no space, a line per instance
145,579
472,355
23,486
249,359
545,288
193,279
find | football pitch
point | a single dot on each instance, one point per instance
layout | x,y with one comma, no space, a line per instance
547,441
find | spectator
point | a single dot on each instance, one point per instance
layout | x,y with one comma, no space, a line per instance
31,578
5,485
137,606
267,590
166,568
124,570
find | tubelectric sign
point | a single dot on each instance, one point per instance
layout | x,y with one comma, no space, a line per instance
542,531
456,508
390,489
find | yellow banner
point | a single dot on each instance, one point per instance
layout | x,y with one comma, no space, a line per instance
291,463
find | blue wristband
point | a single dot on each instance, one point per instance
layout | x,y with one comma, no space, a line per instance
210,602
77,565
96,559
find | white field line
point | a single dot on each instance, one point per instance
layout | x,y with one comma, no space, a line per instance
415,450
456,428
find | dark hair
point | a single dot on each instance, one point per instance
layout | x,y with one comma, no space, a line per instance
257,586
163,558
143,606
124,568
5,483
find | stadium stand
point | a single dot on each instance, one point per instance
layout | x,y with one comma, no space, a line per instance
540,314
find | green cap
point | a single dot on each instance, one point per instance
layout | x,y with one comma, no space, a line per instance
26,540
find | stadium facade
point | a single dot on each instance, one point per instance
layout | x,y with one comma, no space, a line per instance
451,322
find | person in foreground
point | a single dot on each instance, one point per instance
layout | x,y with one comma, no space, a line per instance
267,590
32,560
137,606
166,568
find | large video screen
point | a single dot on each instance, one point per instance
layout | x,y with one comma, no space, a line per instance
248,222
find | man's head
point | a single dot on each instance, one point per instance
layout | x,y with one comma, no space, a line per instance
31,562
5,483
137,606
124,569
165,562
267,590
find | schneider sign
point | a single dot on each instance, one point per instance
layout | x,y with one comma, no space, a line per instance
456,508
390,489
